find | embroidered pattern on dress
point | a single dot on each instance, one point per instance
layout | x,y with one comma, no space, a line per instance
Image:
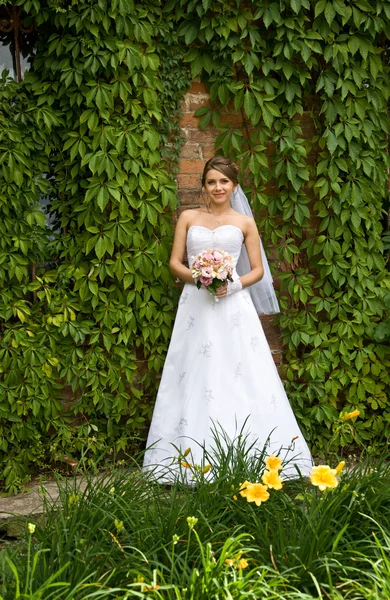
206,349
247,297
182,423
273,401
208,396
181,376
254,342
238,371
236,319
184,298
190,322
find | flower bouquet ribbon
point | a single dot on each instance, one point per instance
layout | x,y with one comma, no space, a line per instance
211,269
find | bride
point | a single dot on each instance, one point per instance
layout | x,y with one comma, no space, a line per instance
219,368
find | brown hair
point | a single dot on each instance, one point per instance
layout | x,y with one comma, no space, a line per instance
223,165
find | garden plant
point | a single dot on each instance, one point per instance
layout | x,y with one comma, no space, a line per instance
232,527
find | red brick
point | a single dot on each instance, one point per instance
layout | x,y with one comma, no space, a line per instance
231,119
188,120
190,197
197,88
196,135
189,182
191,151
191,166
271,331
208,151
194,102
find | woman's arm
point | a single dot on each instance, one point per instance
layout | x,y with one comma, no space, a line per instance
252,244
178,250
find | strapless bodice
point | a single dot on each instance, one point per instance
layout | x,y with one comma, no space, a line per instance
225,237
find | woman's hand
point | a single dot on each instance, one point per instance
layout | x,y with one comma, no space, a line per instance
222,291
229,288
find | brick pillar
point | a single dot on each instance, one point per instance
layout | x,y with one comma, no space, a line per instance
199,147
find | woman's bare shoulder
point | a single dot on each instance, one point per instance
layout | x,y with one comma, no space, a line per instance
190,215
245,222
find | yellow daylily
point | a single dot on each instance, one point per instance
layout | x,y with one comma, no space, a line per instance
272,479
242,564
273,463
244,488
340,467
257,493
324,477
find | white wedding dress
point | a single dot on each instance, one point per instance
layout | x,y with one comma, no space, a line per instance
219,371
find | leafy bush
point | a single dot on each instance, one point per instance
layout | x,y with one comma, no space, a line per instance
127,536
87,304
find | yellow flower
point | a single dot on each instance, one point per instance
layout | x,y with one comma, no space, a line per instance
230,561
152,588
242,564
192,521
31,528
273,463
244,488
73,498
118,525
235,497
186,465
272,480
340,467
186,452
350,415
206,469
324,477
257,493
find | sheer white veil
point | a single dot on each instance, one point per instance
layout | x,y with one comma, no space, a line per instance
262,293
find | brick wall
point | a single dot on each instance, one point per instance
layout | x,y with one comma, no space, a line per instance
198,147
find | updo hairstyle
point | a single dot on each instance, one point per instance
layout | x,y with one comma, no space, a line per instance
223,165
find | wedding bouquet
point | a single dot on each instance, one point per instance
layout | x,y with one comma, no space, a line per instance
212,268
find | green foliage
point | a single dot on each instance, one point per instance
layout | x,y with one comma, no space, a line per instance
91,319
87,304
288,66
123,535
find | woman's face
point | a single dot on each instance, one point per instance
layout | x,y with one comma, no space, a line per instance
218,186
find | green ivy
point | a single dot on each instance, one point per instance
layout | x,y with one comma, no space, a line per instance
277,62
87,304
92,322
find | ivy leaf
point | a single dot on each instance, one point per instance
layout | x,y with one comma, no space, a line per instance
331,141
330,13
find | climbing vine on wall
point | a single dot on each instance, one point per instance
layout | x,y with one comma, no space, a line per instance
321,196
91,326
87,303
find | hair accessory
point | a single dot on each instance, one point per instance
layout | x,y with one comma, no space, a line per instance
262,293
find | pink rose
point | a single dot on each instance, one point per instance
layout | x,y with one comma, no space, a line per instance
222,273
217,255
207,272
206,280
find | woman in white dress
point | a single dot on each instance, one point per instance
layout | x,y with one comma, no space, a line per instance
219,370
